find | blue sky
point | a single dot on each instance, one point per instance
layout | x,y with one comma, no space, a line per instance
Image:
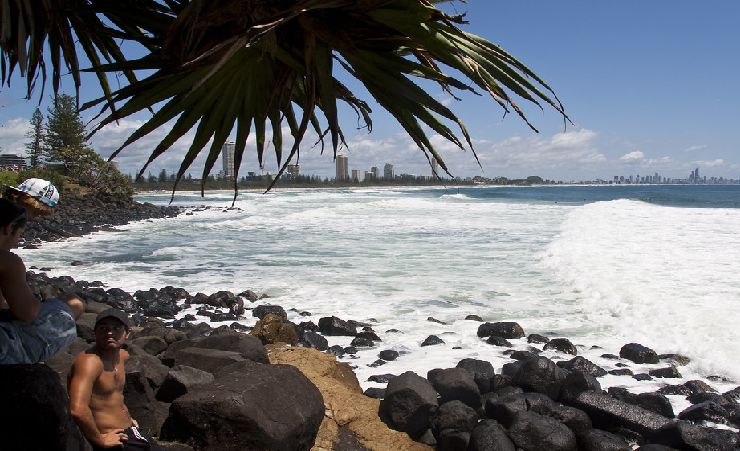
650,86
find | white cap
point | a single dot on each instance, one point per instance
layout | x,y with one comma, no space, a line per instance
41,190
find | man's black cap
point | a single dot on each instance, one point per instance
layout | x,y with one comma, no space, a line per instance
114,313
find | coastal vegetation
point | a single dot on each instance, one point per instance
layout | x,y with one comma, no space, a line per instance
277,62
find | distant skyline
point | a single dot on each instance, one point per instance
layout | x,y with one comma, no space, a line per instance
650,86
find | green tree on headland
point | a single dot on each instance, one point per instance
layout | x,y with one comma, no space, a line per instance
256,65
64,128
35,147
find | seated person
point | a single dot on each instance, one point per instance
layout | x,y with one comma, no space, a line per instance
96,384
30,331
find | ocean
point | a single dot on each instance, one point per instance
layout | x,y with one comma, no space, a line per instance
600,265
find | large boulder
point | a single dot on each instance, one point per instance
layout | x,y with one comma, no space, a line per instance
638,353
584,365
540,375
488,435
180,380
686,436
274,329
250,348
141,403
534,432
598,440
331,325
34,410
264,310
562,345
457,384
209,360
501,329
452,424
654,402
409,400
483,373
576,383
609,413
249,406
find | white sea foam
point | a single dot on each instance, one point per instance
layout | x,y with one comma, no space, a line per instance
601,274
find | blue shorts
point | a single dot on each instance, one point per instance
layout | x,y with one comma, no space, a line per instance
34,342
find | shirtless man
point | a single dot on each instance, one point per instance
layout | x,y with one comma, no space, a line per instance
30,331
96,388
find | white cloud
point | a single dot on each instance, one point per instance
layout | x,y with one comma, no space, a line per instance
695,148
13,136
709,163
633,157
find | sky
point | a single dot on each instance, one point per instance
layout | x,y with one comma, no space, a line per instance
651,86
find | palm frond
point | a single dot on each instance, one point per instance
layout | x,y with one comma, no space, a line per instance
255,63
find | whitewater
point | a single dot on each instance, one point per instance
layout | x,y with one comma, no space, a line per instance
602,266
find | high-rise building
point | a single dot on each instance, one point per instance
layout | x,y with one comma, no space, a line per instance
369,175
388,171
227,158
356,175
293,171
434,166
375,171
342,168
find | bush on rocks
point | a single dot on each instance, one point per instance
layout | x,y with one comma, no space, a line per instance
501,329
249,406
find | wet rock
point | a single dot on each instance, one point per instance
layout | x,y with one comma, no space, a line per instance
576,383
474,318
575,419
362,342
654,402
537,338
456,384
180,380
705,411
610,356
374,392
698,398
501,329
488,435
388,354
562,345
584,365
369,334
432,340
621,372
498,341
453,416
435,320
638,353
532,431
522,355
314,340
540,375
209,360
408,401
263,310
377,363
273,328
381,378
675,359
249,406
483,373
642,377
686,436
598,440
504,409
669,372
334,326
609,413
336,350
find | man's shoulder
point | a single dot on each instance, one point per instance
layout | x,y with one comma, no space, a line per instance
88,359
10,260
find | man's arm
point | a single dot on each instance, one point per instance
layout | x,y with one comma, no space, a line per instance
85,371
21,301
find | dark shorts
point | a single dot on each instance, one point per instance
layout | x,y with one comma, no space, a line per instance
137,441
35,342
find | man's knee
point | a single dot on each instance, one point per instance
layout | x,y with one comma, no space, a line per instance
76,305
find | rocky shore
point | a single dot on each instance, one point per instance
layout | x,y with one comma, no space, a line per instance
199,379
205,381
80,214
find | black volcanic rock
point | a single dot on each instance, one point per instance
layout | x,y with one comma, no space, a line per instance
432,340
331,325
562,345
501,329
638,353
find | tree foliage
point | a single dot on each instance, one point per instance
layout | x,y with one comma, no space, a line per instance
252,66
35,147
64,127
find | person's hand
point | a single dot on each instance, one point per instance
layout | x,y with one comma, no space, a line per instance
134,423
113,439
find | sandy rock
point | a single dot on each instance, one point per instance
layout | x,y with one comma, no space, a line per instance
273,329
346,407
